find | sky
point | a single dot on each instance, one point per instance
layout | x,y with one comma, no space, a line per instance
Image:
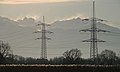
61,9
34,1
30,1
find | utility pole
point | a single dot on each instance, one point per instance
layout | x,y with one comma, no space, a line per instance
94,30
43,38
1,45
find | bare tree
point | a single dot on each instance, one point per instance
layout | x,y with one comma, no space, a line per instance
108,54
72,54
107,57
4,50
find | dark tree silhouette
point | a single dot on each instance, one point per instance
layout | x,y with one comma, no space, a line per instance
72,55
4,51
107,57
57,60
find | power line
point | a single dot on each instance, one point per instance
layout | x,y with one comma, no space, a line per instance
23,41
14,35
38,47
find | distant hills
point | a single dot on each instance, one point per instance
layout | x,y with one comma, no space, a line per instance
66,36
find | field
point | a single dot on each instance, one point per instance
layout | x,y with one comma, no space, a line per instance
59,68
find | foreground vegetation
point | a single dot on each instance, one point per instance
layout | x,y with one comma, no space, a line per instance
64,68
73,56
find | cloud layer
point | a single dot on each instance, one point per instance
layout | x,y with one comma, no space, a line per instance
32,1
35,1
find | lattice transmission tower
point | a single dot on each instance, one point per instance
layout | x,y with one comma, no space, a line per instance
43,31
94,30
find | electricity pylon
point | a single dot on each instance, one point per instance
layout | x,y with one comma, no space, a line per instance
94,30
43,38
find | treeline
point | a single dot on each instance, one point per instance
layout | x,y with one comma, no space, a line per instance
73,56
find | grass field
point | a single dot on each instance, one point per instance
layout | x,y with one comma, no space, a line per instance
59,68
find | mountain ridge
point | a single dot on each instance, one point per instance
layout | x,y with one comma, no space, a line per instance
66,36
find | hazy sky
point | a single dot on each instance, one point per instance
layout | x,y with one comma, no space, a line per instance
35,1
61,9
30,1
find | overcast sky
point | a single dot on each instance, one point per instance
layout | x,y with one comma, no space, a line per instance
61,9
30,1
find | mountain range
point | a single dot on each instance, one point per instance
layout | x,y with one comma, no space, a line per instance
20,35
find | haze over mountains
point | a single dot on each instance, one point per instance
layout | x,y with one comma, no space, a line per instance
66,36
